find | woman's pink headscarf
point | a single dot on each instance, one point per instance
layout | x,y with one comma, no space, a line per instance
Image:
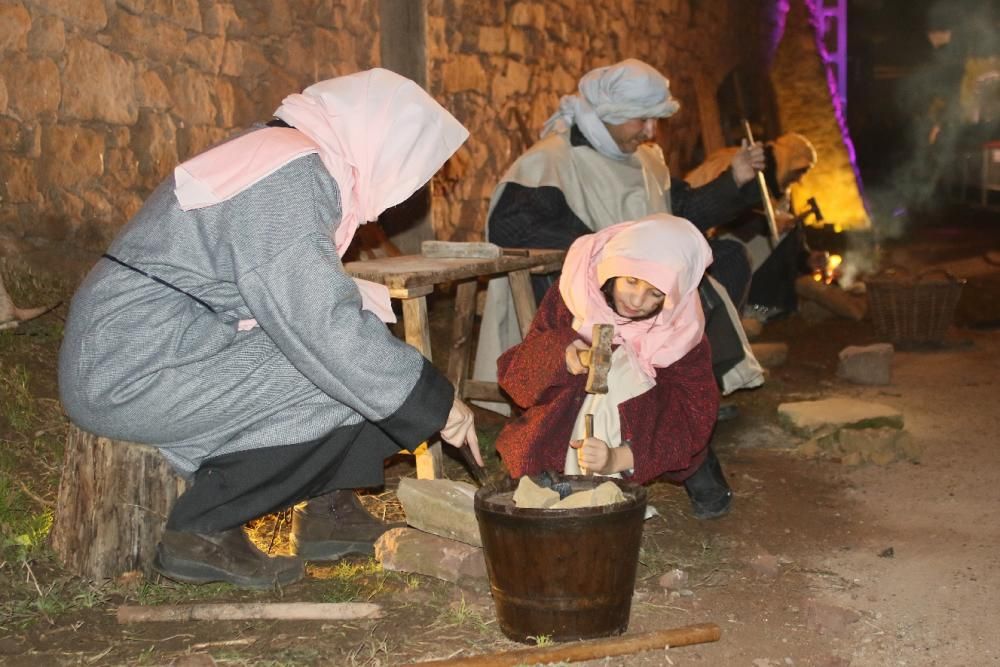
379,135
667,252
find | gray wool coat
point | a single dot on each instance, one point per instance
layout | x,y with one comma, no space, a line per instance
145,363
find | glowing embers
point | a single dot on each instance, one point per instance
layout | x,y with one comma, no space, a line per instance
830,272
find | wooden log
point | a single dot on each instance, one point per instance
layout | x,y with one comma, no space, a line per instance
236,611
831,297
593,649
113,502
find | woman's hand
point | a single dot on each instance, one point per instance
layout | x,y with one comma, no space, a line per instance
460,429
574,364
747,162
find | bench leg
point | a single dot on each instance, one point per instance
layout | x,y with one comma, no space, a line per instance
429,457
524,299
416,325
461,335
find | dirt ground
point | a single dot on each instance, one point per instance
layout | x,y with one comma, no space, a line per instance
819,563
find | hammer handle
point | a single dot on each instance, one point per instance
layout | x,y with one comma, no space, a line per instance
588,426
478,472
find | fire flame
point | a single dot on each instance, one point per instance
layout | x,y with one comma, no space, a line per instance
830,272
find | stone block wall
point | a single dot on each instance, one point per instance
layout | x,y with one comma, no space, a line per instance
501,67
100,99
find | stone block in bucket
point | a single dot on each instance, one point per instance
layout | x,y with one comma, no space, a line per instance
566,574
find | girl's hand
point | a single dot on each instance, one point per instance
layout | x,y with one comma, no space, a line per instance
574,364
460,429
594,456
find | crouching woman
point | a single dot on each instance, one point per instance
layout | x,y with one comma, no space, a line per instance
222,328
657,418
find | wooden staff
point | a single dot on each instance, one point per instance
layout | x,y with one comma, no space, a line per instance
765,197
594,649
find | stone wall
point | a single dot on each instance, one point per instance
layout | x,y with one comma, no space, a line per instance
100,99
501,67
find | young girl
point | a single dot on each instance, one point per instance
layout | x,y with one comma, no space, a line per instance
657,418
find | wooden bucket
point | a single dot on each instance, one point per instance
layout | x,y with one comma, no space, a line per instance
564,574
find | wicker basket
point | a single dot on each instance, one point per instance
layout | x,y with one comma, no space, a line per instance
913,310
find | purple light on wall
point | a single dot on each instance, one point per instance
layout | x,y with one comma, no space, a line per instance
816,20
774,28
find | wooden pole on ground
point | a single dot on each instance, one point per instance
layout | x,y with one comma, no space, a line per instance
284,611
588,650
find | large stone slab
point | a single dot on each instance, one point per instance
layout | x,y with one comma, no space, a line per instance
808,417
411,550
441,507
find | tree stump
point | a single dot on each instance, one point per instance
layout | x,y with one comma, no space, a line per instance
114,498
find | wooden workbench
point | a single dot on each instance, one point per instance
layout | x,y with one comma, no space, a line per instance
411,278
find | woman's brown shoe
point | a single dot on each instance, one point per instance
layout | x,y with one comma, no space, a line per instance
334,525
229,556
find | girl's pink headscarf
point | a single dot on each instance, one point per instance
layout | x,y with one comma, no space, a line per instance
667,252
379,135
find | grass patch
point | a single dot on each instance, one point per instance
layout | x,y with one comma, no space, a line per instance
171,592
22,532
354,580
541,640
18,405
32,431
36,340
33,599
28,288
466,616
374,650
